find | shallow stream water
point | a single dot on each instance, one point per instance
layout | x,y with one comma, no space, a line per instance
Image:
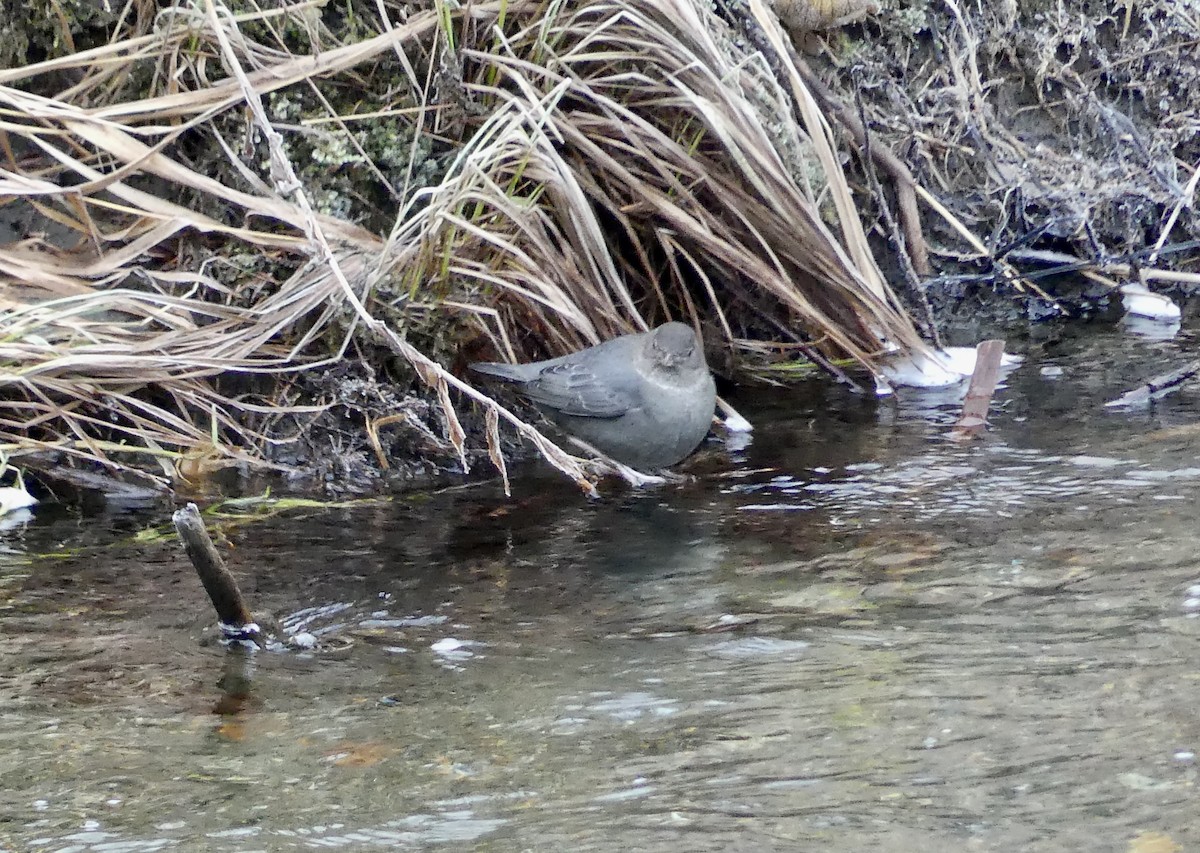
852,634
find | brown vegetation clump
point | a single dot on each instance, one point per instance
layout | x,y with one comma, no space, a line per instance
270,234
214,186
1062,131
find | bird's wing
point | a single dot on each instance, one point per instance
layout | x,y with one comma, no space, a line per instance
573,389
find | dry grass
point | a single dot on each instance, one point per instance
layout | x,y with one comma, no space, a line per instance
613,164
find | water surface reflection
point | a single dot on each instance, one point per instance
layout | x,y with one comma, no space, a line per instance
855,634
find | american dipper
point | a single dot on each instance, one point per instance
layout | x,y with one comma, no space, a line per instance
645,400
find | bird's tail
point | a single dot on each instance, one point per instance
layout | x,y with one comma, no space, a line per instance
507,372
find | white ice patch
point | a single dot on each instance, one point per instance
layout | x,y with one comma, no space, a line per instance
1140,302
936,369
736,423
14,498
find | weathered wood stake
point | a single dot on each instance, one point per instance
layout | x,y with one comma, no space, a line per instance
980,391
236,621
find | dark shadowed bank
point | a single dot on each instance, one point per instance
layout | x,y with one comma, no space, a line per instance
265,240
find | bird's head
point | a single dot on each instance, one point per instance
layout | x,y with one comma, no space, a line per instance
673,346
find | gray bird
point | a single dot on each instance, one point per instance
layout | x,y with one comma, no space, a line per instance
645,400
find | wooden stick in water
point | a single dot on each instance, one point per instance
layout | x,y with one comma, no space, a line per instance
980,391
1156,387
219,583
